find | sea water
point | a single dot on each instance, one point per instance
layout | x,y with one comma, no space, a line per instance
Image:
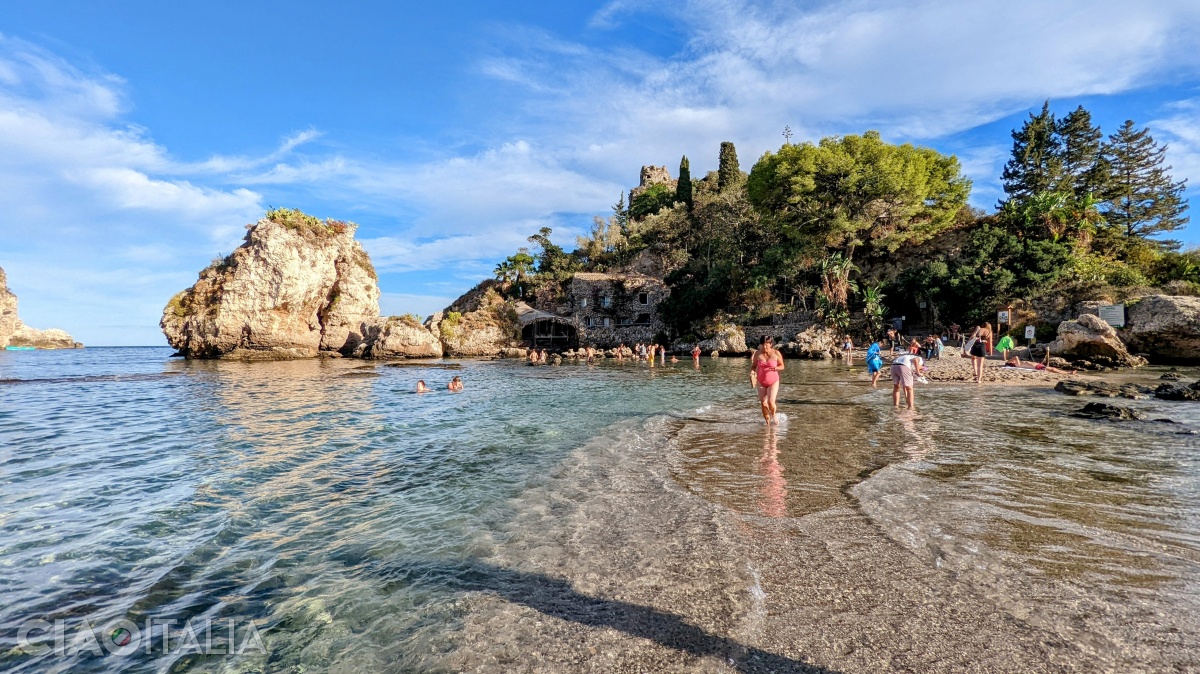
320,516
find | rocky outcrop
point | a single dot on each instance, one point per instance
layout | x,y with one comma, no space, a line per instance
1165,327
399,337
480,323
296,287
15,333
816,342
728,339
1089,338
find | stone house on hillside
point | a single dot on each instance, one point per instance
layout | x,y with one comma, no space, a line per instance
601,310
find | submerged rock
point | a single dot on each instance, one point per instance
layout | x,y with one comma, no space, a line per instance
15,333
297,286
1091,340
1106,411
1178,392
1103,389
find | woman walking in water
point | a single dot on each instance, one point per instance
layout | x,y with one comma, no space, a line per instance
767,361
981,345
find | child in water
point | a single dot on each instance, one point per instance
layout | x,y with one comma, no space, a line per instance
421,387
874,363
456,384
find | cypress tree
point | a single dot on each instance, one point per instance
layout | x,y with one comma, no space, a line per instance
1140,198
728,171
683,190
621,216
1083,172
1036,163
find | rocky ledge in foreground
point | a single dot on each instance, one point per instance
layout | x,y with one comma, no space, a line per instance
15,333
297,287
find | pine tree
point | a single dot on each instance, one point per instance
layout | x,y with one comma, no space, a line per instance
1141,199
1083,172
728,171
683,190
1036,163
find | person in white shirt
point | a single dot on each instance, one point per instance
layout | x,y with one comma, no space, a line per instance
905,370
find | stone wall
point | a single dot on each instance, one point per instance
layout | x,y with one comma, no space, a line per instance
653,175
609,309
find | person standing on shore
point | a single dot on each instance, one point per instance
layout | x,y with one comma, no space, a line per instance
874,363
848,349
766,363
905,370
981,346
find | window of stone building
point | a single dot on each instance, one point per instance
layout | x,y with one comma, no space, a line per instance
606,301
642,319
589,321
623,321
608,322
583,303
643,298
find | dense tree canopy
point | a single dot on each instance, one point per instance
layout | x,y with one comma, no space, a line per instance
849,192
855,226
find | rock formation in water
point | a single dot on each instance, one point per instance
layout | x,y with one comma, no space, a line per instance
817,342
480,323
1166,327
727,338
15,333
296,287
1090,338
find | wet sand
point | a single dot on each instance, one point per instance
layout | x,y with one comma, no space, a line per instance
652,561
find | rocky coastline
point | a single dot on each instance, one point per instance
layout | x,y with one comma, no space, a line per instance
14,333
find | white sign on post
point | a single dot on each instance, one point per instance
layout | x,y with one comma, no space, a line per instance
1002,317
1113,314
1030,332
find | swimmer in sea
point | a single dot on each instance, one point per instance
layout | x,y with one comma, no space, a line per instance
766,364
421,387
456,384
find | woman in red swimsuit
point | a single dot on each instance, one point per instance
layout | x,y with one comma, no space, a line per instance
767,361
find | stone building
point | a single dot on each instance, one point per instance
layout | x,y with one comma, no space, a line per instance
653,175
611,308
601,310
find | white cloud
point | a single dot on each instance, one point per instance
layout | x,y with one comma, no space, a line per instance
1181,133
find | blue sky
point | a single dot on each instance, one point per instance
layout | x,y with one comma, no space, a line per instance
138,138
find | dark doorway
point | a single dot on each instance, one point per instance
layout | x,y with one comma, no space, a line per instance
546,333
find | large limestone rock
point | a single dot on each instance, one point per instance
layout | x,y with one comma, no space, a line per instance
15,333
816,342
1089,338
296,286
1166,327
480,323
727,339
8,311
399,337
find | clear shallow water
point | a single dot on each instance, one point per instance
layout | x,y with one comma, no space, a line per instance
547,518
